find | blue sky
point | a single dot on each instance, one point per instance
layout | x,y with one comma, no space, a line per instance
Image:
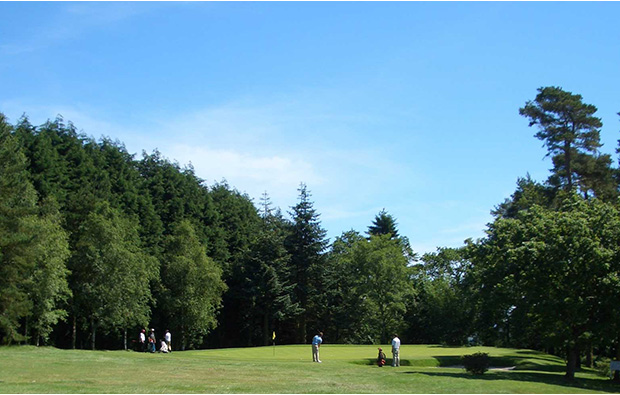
411,107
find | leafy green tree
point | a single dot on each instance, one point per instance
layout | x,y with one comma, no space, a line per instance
373,287
442,311
193,285
385,282
556,267
111,273
566,125
48,285
79,172
346,309
33,250
306,243
18,213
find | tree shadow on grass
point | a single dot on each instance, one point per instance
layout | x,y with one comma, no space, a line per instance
537,355
534,362
388,362
445,346
534,377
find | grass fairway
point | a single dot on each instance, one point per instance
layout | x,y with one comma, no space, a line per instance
345,369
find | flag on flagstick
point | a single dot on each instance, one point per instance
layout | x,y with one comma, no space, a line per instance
273,338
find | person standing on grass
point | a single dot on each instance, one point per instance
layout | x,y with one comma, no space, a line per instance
143,340
152,341
395,351
316,344
168,338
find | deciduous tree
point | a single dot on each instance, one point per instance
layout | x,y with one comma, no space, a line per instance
557,267
193,285
111,273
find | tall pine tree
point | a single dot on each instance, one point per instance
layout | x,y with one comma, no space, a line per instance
306,244
568,128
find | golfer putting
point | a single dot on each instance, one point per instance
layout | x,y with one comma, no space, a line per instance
316,344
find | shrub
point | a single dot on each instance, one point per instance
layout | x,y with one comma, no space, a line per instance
602,367
477,363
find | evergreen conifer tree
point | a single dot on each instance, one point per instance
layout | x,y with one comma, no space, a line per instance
306,243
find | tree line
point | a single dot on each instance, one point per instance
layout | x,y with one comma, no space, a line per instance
96,244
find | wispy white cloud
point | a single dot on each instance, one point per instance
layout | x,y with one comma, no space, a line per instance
249,172
69,22
255,140
224,125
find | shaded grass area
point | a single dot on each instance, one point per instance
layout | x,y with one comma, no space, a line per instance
445,357
580,384
285,369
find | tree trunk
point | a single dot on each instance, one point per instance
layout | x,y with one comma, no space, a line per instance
125,338
26,332
303,317
571,362
617,373
507,331
265,329
73,334
93,324
302,333
589,355
567,164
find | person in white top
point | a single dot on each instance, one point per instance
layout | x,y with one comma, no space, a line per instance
395,351
163,347
143,341
168,338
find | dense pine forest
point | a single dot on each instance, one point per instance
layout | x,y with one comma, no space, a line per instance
97,244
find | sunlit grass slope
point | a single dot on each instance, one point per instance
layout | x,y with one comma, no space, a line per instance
287,369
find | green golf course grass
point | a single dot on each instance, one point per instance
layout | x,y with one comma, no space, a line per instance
286,369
